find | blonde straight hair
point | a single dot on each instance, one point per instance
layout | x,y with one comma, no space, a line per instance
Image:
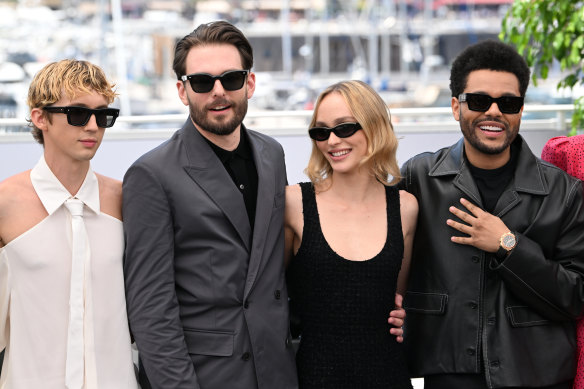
373,114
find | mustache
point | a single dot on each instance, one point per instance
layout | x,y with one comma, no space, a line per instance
491,119
219,102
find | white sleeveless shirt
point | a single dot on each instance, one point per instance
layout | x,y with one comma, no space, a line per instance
35,271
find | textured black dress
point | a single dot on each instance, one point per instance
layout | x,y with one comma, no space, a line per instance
343,308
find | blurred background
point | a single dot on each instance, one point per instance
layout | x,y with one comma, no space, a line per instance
403,48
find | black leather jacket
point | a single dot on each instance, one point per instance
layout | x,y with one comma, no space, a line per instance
466,312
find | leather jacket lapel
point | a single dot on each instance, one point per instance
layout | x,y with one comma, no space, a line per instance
528,178
453,163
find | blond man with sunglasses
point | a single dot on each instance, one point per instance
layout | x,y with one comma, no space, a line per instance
496,280
63,317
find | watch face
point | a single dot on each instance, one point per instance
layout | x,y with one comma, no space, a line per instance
508,241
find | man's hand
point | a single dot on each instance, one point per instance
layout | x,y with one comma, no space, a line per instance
484,230
396,319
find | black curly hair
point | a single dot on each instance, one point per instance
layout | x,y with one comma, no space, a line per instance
491,55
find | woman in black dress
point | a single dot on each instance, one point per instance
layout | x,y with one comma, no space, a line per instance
349,235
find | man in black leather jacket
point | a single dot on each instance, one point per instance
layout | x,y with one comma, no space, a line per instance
497,273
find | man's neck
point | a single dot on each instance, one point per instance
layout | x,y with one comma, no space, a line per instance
486,161
71,175
226,142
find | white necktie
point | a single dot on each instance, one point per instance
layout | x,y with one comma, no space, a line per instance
75,365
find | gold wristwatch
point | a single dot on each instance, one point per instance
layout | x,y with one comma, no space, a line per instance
508,242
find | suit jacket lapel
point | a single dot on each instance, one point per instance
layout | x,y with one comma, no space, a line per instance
209,173
264,208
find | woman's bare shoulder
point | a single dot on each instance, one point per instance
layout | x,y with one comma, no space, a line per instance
293,192
293,203
408,204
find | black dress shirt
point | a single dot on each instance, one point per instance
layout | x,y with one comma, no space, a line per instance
242,170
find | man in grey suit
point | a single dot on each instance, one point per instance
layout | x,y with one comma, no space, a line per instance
203,215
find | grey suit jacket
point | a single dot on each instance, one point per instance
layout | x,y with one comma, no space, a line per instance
206,298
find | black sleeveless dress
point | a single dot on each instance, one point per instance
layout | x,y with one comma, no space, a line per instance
343,308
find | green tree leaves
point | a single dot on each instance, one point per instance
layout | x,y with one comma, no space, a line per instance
544,31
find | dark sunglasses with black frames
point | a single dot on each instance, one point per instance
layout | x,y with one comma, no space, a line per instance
204,82
79,116
481,103
343,130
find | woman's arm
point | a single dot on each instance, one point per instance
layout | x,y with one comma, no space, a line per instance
293,222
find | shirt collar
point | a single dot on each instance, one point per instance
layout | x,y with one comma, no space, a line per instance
243,150
53,194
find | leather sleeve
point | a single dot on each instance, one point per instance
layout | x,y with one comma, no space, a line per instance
551,282
152,304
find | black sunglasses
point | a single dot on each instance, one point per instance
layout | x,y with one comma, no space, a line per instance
203,82
79,116
482,103
343,130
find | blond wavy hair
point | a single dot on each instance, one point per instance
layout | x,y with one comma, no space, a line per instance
372,113
70,77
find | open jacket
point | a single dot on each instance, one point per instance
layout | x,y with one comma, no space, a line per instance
206,295
467,312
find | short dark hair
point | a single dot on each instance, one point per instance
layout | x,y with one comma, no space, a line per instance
491,55
212,33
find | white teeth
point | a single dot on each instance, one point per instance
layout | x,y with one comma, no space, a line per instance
491,128
219,108
339,153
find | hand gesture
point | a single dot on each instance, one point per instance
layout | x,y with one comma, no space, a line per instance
484,230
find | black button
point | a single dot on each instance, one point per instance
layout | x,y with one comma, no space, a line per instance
246,356
470,351
475,259
495,364
246,305
473,305
491,321
288,342
277,295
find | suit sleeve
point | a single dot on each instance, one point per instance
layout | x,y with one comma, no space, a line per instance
152,304
552,282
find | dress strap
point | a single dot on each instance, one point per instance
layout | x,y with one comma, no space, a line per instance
394,226
310,211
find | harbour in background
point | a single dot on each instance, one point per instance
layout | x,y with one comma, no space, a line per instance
403,48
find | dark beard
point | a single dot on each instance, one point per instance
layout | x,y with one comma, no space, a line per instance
225,127
472,138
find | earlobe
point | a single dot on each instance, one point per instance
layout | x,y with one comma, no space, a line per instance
38,118
250,84
182,93
455,108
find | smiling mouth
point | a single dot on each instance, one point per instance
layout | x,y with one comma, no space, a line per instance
491,128
220,108
340,153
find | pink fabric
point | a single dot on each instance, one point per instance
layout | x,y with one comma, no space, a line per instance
567,153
